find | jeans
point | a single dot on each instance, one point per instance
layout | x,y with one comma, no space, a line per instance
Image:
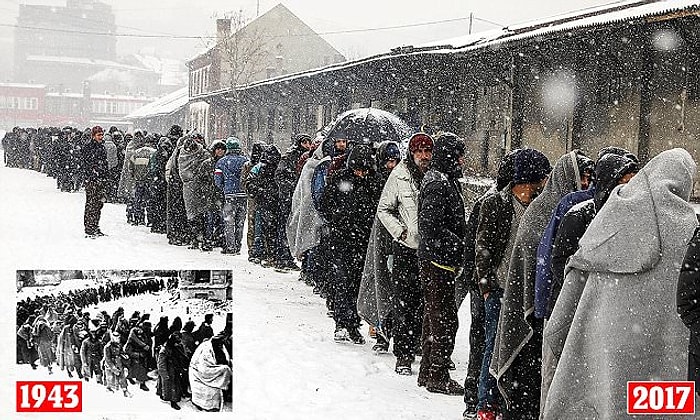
234,215
488,390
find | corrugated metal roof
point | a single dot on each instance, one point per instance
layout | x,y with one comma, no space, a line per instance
582,19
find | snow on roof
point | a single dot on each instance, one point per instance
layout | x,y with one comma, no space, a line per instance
22,85
593,17
172,71
586,18
163,106
85,61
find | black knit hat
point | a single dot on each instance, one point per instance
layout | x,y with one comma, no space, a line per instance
360,157
531,166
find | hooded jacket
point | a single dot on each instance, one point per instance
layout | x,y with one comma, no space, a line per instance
615,319
441,216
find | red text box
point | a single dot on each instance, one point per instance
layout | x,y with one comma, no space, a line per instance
49,396
661,397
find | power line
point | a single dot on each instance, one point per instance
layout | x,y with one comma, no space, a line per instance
170,36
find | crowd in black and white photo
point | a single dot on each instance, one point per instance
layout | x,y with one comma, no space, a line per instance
186,361
384,234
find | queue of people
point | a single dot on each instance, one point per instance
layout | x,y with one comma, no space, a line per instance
385,236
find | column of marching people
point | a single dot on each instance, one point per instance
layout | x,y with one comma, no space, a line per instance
187,361
385,235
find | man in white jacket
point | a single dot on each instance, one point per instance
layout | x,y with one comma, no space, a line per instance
398,212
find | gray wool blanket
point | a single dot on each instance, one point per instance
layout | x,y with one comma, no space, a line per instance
616,320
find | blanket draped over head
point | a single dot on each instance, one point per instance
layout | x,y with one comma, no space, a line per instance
615,320
207,378
376,290
514,327
305,223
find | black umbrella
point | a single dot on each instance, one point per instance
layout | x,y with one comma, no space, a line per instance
370,126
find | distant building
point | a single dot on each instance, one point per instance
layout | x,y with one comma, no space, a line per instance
285,45
65,47
160,115
206,284
31,105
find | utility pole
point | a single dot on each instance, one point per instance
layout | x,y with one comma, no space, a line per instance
471,20
257,13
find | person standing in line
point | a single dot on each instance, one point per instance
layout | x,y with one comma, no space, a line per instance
227,176
442,229
96,173
398,213
499,219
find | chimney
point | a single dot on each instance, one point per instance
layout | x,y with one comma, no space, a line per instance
223,29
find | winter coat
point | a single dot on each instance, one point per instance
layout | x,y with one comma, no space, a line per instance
43,337
126,181
305,222
398,206
615,320
543,270
169,384
204,332
572,227
189,162
156,167
227,174
514,326
112,153
113,362
91,352
441,220
138,163
137,348
94,157
492,236
349,204
688,292
376,288
68,348
286,175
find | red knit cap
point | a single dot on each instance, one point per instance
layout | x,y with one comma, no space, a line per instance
420,141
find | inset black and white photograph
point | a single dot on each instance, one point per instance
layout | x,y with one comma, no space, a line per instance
141,341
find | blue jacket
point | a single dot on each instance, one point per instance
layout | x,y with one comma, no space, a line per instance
227,174
543,270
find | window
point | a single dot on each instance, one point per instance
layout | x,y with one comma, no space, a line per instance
34,103
2,102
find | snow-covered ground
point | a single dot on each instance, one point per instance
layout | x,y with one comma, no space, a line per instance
286,365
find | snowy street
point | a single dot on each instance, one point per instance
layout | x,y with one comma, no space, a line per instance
286,364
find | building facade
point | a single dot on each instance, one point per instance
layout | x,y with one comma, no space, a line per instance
275,43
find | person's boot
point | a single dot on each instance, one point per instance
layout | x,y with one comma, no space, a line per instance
439,381
403,365
355,336
174,405
80,374
144,387
127,394
70,375
382,345
99,379
131,381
